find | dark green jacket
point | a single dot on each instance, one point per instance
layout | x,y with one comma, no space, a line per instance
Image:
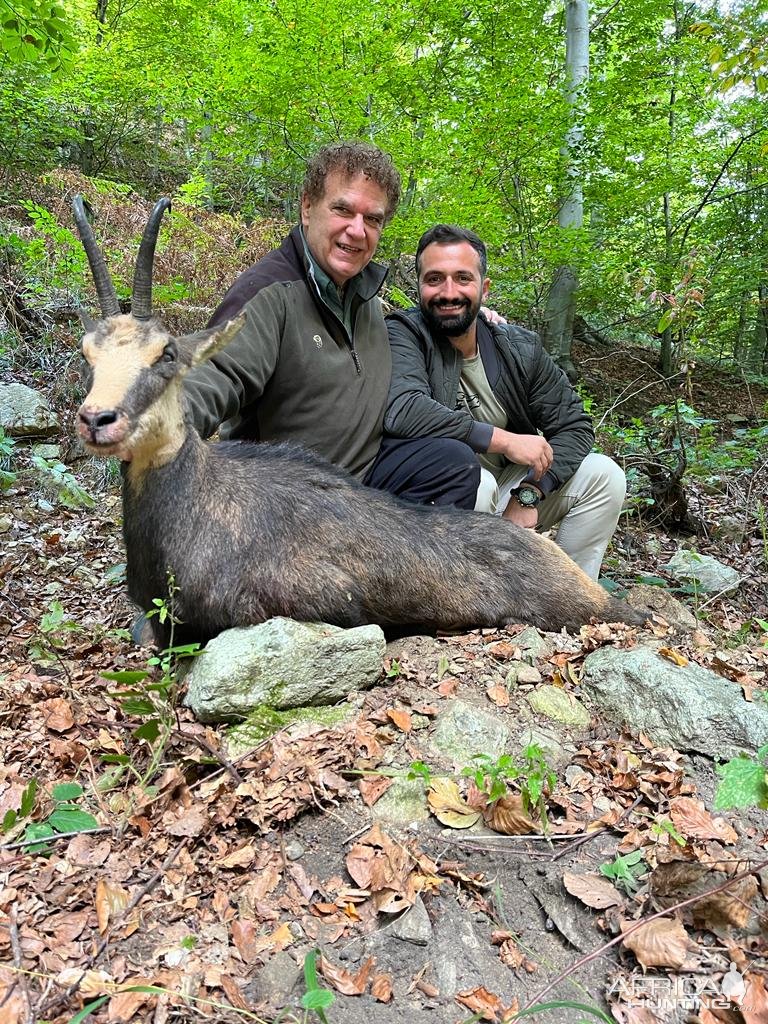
293,373
533,391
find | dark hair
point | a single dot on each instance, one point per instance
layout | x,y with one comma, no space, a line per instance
449,234
352,159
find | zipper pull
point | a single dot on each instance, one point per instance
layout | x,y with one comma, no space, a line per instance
357,361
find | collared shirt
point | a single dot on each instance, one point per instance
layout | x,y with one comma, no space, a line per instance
338,300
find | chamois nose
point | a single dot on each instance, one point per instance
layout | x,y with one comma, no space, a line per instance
94,419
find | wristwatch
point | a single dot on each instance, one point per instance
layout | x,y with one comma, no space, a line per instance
527,496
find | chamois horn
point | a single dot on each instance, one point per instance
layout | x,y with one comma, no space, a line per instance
104,287
141,301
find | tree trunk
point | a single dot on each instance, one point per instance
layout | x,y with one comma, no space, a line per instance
561,300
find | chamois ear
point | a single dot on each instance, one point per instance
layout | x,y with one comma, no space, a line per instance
86,322
196,348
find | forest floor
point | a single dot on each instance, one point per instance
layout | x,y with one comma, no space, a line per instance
206,881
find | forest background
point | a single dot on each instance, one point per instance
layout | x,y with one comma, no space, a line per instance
637,167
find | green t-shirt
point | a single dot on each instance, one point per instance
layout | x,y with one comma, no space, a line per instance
476,396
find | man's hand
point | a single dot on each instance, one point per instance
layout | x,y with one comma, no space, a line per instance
492,316
523,449
528,518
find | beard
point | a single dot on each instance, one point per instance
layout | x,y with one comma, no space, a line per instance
453,326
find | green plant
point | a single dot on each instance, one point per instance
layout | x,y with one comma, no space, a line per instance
7,475
68,491
419,770
65,817
65,270
52,631
150,698
395,669
625,871
529,773
316,998
665,827
744,782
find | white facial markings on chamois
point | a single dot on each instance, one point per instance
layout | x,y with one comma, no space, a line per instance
158,434
118,350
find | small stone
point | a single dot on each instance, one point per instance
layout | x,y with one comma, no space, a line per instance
559,705
5,524
413,926
294,850
463,730
525,674
47,451
419,722
709,575
403,803
534,646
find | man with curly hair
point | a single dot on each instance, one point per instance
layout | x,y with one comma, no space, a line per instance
312,363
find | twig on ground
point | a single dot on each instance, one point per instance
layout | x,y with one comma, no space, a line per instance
237,778
42,840
582,961
18,961
585,838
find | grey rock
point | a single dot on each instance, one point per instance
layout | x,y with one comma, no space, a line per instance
5,524
404,802
521,672
533,645
557,752
282,664
25,412
294,850
463,730
659,600
685,707
559,705
275,982
413,926
47,451
711,576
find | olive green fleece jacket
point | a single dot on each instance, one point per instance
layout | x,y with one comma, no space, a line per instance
293,373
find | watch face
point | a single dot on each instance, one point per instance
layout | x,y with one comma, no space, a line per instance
528,497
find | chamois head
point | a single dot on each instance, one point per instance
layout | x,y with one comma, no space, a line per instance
133,408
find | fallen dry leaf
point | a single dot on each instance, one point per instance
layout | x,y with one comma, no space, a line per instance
344,982
754,1005
674,656
480,1000
89,983
691,818
401,719
447,687
592,890
659,943
508,817
498,694
679,880
111,901
243,857
381,987
449,806
372,789
58,714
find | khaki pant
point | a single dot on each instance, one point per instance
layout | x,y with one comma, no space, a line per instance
587,506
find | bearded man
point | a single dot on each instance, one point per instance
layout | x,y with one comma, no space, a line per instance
493,387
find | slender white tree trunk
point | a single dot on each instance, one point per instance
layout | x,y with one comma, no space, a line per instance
561,300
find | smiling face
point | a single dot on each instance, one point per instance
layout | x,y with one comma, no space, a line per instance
451,287
343,226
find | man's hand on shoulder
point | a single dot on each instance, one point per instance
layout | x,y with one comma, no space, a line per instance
492,316
523,449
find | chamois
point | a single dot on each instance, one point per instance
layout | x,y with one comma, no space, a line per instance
250,531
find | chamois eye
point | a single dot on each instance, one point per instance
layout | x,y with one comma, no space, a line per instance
169,354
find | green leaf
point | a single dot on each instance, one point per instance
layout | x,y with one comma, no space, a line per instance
137,706
564,1004
28,799
88,1009
9,820
67,791
318,999
148,731
71,819
39,830
126,678
744,784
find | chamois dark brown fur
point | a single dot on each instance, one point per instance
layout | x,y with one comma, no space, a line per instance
251,531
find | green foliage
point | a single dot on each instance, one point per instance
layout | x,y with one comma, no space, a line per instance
625,871
529,773
54,259
56,475
7,475
564,1004
35,30
65,817
151,698
419,770
316,998
52,634
663,826
744,782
